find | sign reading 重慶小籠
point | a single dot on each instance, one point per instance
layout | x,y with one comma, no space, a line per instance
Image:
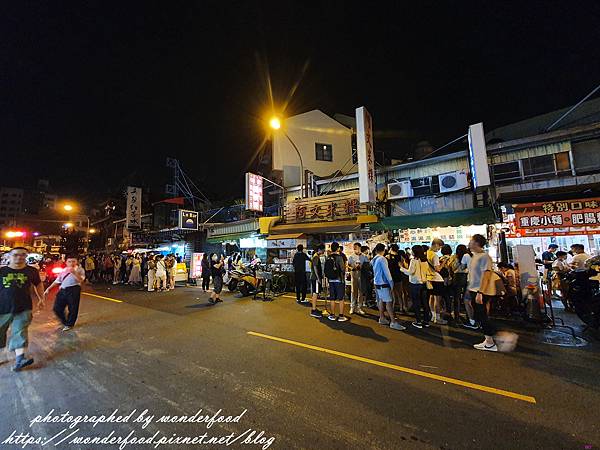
188,220
558,214
365,156
134,208
325,208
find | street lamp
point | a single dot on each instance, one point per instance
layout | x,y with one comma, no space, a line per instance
68,207
275,124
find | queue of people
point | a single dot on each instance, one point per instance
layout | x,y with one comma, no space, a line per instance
433,281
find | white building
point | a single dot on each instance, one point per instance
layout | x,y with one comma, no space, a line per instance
324,144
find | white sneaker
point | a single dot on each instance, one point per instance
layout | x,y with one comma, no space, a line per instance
360,311
66,328
352,310
384,321
484,346
397,326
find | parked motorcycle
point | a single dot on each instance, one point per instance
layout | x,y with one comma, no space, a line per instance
243,279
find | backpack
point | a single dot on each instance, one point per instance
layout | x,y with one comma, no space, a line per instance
498,285
331,269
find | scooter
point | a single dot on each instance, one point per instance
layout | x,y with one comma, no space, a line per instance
243,279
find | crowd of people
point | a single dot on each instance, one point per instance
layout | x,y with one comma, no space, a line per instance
433,282
155,272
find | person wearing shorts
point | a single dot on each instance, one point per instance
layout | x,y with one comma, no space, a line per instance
436,286
384,284
217,270
337,286
17,282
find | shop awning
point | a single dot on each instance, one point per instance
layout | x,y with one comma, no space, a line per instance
475,216
285,236
216,239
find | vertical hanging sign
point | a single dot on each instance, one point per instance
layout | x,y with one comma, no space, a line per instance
366,156
478,162
134,208
254,192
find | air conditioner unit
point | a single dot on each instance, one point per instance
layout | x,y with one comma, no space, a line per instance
401,189
453,181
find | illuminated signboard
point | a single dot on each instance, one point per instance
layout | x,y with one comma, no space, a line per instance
254,192
188,220
365,155
480,171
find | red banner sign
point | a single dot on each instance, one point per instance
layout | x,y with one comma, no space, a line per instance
559,214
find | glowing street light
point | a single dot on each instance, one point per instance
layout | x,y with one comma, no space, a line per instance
68,207
68,225
14,234
275,123
92,230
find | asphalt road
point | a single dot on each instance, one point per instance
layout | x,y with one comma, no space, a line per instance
305,383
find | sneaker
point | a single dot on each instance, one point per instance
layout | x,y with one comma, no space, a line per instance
22,362
470,325
352,310
316,313
211,301
304,302
397,326
425,324
488,348
383,321
150,290
361,312
66,328
331,317
417,325
218,300
342,319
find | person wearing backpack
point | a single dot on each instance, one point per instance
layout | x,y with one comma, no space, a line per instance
435,281
335,273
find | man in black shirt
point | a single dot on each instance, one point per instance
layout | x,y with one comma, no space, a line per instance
17,283
548,257
299,263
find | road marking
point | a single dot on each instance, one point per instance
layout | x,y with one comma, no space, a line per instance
103,298
432,376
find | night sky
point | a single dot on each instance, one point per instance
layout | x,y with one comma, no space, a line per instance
96,94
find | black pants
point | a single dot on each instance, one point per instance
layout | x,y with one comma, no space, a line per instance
459,286
205,282
418,295
481,316
67,298
300,285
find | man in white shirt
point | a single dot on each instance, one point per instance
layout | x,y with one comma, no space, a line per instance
580,256
69,293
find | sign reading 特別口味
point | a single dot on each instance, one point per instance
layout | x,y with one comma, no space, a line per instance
563,214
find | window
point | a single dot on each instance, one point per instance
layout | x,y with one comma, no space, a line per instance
324,152
506,171
563,163
425,186
540,167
